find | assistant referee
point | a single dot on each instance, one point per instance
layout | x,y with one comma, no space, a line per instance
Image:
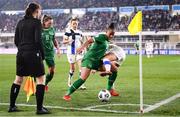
30,55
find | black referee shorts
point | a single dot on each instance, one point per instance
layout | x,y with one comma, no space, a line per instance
29,64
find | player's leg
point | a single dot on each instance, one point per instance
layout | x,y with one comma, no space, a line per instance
83,87
151,53
113,68
148,54
14,93
40,81
49,77
85,72
35,68
71,73
107,63
20,71
71,60
51,70
112,78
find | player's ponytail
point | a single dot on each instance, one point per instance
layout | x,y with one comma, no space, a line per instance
31,8
111,26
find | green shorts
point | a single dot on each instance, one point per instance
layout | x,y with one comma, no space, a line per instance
95,65
50,62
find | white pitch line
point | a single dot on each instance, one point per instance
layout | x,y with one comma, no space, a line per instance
78,109
121,104
163,102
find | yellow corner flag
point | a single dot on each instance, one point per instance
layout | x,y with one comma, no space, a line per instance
29,87
136,24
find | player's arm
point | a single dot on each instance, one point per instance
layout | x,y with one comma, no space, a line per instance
57,47
89,41
66,39
16,37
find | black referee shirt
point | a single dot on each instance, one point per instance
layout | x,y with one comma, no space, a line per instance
28,35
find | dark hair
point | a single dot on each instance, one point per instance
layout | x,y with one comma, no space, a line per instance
46,18
111,26
31,8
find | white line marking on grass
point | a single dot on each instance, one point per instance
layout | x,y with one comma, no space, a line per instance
163,102
90,108
120,104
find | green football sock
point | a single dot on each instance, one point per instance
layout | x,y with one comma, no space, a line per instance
49,77
75,86
111,80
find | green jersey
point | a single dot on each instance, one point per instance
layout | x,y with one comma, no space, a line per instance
136,45
96,52
48,36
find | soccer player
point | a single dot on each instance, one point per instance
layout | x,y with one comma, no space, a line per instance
112,60
49,42
92,60
149,48
136,45
30,55
73,39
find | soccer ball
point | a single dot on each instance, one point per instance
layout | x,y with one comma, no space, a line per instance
104,95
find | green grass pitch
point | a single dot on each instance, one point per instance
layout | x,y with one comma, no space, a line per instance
161,78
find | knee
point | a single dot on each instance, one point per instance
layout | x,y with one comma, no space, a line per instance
18,80
114,66
40,80
73,69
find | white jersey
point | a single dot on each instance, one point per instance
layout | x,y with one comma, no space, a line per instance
76,40
118,51
149,46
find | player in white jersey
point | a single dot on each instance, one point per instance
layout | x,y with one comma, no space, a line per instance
112,60
149,48
116,55
73,39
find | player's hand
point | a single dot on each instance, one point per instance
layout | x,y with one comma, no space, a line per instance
93,71
58,53
79,50
69,41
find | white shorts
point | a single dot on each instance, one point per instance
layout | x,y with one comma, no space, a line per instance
149,51
120,55
72,58
119,52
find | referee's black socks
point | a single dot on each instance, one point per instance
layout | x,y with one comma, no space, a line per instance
39,96
13,94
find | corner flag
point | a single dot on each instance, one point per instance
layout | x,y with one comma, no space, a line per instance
136,24
29,87
135,27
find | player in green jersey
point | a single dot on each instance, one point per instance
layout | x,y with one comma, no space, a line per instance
92,60
136,46
49,42
112,60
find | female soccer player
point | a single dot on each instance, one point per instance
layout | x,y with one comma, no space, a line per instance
29,59
92,60
112,60
49,41
73,40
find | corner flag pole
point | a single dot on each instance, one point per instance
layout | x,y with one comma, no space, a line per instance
140,72
135,27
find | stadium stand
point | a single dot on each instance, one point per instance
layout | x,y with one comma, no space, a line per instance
52,4
155,20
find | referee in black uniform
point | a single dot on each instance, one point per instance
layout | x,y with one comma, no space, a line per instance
29,59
